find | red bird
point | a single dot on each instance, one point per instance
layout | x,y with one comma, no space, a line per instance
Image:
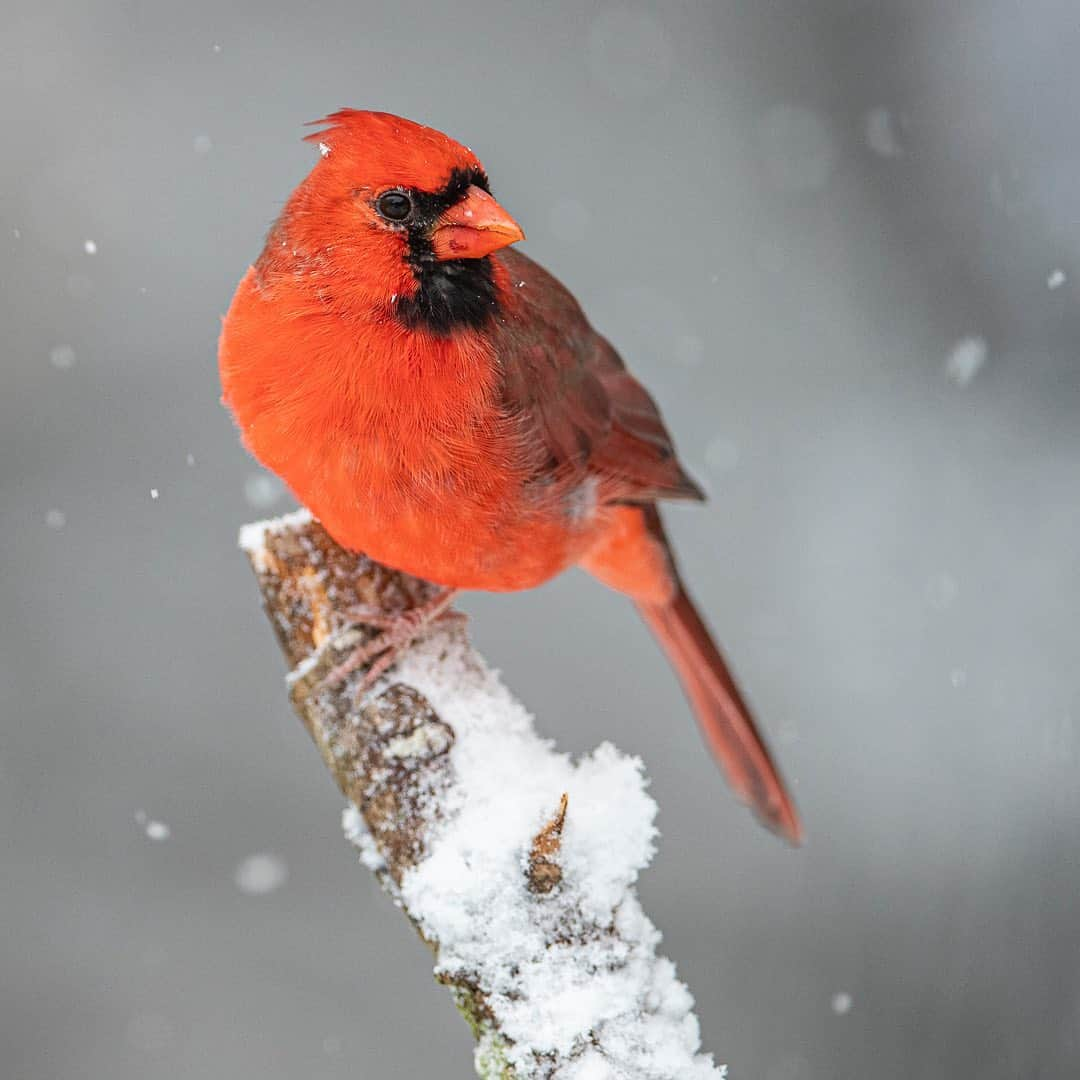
440,403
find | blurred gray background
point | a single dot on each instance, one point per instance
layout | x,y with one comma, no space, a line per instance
839,241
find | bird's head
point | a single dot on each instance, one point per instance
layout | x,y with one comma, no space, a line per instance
399,216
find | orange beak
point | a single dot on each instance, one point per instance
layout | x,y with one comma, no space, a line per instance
473,228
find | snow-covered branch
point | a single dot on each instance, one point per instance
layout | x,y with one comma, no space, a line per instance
516,864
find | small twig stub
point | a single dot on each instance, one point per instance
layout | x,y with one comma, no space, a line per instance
544,872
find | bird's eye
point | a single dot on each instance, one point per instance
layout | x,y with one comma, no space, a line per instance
394,205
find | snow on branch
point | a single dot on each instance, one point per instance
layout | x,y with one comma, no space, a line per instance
516,864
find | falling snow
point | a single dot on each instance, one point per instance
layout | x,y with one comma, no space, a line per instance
1055,279
261,874
262,490
62,357
155,830
966,360
841,1003
154,493
90,247
880,129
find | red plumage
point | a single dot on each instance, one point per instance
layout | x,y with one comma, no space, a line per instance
441,403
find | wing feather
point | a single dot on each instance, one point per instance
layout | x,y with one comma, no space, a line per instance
581,412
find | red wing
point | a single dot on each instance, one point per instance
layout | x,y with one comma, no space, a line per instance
583,413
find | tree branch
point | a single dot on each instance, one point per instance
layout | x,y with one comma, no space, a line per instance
516,864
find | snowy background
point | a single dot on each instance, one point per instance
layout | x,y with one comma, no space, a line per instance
841,242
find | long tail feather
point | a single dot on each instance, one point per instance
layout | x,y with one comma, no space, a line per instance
724,718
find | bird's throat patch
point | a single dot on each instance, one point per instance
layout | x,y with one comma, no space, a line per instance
454,294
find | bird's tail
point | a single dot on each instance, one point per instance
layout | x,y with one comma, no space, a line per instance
634,557
724,718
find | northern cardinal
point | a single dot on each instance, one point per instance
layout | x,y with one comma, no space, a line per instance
440,403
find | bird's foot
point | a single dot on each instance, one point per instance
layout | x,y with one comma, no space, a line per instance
398,630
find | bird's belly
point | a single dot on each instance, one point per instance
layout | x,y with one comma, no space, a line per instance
473,525
461,546
454,512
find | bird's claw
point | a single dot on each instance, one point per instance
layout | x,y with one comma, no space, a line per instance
398,630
